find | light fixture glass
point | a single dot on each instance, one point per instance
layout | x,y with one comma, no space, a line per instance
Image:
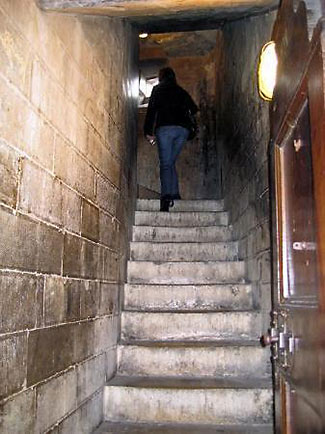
267,71
143,35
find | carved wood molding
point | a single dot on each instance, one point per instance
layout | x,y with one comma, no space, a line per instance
300,78
294,49
292,45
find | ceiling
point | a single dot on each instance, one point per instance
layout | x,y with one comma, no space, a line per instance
182,44
156,16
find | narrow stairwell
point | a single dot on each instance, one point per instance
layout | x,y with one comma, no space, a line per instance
188,359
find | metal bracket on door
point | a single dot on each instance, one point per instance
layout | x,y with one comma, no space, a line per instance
304,245
281,340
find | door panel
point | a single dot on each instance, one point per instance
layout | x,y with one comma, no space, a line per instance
296,220
298,226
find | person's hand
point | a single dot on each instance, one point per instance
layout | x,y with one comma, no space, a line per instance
151,139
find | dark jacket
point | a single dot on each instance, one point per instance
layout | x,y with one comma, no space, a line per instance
168,105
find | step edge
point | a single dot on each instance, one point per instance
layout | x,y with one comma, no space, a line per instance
263,384
235,343
199,243
199,285
182,425
186,262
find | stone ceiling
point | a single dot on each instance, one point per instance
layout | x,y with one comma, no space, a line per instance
166,15
180,44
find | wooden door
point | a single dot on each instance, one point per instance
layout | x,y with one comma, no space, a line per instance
298,224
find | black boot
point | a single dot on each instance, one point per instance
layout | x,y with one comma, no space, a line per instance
164,204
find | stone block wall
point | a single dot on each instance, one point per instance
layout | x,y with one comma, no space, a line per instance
243,131
68,95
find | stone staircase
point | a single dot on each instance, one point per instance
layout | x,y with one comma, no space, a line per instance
189,359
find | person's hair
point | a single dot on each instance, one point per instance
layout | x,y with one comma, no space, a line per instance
167,74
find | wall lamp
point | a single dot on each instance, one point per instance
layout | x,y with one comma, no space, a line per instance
267,71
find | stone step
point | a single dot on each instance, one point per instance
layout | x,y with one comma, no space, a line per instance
182,234
148,251
182,205
199,361
180,219
185,273
190,327
131,399
158,428
187,297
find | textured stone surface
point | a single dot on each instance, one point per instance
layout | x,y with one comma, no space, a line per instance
152,404
190,327
67,115
68,90
55,399
187,297
86,418
49,351
11,419
182,205
13,350
184,273
179,219
90,221
55,301
144,251
40,194
158,15
8,174
225,362
37,247
171,234
90,377
185,339
244,125
21,302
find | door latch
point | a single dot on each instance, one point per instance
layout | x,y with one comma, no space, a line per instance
271,337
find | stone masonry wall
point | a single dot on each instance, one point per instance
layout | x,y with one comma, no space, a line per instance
243,128
68,94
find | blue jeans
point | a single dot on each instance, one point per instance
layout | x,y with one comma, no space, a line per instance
170,141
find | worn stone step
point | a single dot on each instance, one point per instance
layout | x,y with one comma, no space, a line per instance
148,251
204,361
180,219
182,205
182,234
185,401
169,327
184,273
158,428
187,297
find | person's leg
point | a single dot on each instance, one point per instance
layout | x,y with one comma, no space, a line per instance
165,143
181,135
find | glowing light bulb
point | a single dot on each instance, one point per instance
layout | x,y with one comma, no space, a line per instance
267,71
143,35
